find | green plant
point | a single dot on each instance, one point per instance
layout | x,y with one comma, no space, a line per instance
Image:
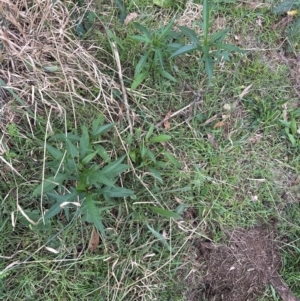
292,8
159,46
144,158
291,130
211,47
82,17
83,176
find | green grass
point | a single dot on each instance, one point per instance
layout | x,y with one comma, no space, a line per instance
249,178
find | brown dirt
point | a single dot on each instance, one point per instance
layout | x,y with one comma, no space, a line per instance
238,270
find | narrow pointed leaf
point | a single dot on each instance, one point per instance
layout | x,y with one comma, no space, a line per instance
96,123
72,149
165,213
138,80
144,30
167,75
190,33
116,192
103,129
165,30
113,166
141,64
160,138
89,157
172,159
49,184
218,36
84,141
185,49
54,152
141,38
160,237
156,174
91,214
150,132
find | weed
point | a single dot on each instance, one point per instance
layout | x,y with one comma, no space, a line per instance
144,158
291,129
211,47
159,46
79,179
292,8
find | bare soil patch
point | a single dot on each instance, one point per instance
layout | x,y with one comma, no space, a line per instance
238,270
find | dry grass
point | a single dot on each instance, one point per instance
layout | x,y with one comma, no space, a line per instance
43,65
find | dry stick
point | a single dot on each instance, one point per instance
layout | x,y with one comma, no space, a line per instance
116,54
282,289
178,112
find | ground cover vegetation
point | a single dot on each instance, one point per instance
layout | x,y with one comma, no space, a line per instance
149,150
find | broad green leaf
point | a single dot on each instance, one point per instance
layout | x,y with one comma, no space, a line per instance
190,33
114,38
103,153
209,67
218,36
63,137
165,213
292,139
205,17
116,192
53,211
141,39
160,164
98,179
180,209
160,138
132,155
103,129
285,123
54,152
115,168
68,196
144,150
143,29
156,174
89,157
158,57
151,156
163,3
172,47
285,6
167,75
293,127
123,10
97,122
150,132
91,214
172,159
185,49
84,142
165,30
72,149
141,64
160,237
49,184
139,79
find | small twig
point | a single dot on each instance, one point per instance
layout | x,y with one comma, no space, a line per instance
177,112
117,58
190,106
